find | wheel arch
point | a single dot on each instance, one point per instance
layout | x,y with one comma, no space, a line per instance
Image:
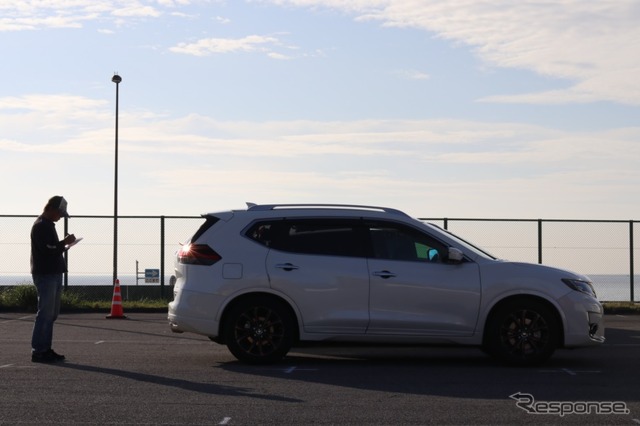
221,338
523,298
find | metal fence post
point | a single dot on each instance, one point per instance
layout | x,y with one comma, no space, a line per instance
66,254
540,241
631,268
162,257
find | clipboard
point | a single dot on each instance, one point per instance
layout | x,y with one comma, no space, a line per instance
68,246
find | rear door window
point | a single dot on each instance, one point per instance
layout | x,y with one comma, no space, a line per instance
330,237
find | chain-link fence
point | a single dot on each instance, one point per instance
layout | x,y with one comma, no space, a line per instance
145,244
603,250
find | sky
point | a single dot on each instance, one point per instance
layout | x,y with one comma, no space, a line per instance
457,108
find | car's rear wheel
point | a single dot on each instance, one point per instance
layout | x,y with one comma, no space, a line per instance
523,332
259,330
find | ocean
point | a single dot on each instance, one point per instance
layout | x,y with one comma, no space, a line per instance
81,280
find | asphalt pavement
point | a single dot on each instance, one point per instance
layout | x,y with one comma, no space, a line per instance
136,371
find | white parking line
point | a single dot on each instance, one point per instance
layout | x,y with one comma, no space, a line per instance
6,365
624,344
292,369
570,372
17,319
225,421
99,342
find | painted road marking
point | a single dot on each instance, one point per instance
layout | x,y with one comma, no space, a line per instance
570,372
17,319
292,369
225,421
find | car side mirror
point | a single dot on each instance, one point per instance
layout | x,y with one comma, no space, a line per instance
455,255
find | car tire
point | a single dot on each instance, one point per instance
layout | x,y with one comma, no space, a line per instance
523,332
259,330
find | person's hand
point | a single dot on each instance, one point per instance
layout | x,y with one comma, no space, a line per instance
69,239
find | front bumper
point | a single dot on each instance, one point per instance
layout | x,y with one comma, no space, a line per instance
584,320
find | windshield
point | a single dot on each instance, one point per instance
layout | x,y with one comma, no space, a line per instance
467,245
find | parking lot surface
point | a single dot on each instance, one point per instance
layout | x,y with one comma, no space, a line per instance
135,371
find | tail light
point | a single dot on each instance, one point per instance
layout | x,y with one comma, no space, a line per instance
197,254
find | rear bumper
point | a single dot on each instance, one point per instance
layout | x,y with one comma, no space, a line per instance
191,312
181,324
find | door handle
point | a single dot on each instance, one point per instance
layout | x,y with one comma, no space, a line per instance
384,274
287,266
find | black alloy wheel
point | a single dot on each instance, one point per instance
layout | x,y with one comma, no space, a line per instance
259,331
523,333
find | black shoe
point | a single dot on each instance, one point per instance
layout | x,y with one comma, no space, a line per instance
44,357
55,356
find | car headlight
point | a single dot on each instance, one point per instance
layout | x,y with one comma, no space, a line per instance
580,285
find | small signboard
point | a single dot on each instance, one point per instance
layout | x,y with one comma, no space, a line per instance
152,275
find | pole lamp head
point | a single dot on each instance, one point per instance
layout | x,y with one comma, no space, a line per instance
116,78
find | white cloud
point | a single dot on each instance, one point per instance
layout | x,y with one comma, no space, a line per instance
208,46
31,23
222,20
590,44
412,74
64,104
424,166
136,10
80,125
35,15
280,56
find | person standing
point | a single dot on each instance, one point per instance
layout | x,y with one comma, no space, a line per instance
47,267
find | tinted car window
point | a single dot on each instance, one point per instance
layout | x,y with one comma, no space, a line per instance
395,241
209,222
332,237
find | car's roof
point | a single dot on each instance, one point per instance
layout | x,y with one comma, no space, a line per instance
274,210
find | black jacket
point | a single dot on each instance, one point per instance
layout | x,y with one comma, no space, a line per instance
46,249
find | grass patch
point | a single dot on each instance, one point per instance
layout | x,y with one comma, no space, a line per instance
142,304
622,308
24,297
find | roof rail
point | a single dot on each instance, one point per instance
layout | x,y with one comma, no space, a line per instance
265,207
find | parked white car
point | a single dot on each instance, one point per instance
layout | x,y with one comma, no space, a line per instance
262,279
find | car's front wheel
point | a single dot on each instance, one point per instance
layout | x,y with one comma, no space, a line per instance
259,330
523,332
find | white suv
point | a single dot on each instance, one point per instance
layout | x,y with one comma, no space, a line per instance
261,279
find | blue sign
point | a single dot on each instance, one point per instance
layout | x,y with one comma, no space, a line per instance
152,275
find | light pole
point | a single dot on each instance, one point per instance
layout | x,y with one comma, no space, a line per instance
116,79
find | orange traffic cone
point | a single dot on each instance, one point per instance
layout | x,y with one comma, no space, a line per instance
116,304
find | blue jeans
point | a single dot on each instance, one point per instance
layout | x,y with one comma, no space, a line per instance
49,292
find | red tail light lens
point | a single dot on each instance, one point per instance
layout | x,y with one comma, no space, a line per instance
198,254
